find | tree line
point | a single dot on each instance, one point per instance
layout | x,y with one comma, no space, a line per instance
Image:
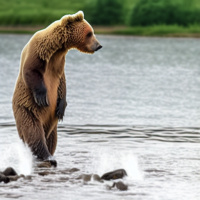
144,13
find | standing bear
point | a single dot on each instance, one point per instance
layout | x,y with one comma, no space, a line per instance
39,98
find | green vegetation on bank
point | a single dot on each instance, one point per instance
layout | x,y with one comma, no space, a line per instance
161,30
101,12
37,12
104,12
151,12
130,17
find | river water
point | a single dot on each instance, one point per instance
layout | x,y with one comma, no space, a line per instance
135,104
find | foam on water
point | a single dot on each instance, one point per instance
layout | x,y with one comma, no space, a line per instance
109,160
18,156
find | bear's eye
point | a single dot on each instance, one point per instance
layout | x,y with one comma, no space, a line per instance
89,34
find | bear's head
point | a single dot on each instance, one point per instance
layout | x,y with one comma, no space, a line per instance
80,34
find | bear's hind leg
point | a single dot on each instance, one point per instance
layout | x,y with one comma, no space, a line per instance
52,141
31,132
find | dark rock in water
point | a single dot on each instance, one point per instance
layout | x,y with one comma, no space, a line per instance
4,178
9,172
120,186
117,174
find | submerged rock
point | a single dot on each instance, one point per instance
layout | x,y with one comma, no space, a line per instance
4,178
69,171
96,177
28,177
85,177
45,173
9,174
117,174
89,177
72,170
15,178
120,186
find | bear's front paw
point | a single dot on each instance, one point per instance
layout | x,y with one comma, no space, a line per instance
60,109
40,97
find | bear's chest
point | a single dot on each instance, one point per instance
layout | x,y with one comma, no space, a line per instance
55,66
54,71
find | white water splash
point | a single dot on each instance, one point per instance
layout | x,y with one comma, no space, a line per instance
17,156
109,160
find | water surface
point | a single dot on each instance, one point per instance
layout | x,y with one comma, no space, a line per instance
135,104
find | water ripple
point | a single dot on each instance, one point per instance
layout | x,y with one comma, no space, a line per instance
163,134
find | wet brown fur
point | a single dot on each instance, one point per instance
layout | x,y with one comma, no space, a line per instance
42,66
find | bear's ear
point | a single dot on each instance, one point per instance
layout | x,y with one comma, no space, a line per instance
67,19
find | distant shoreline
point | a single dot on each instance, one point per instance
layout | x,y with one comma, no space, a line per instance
192,31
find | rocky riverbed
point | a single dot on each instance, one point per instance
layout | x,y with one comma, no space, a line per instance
9,174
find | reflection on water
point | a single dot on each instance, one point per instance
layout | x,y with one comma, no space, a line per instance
134,105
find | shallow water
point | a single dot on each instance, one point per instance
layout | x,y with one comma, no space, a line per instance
135,104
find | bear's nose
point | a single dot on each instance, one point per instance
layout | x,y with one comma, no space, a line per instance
98,47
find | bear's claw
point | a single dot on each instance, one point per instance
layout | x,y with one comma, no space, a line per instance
52,161
40,97
60,109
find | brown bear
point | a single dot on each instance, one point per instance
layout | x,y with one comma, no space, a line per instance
39,98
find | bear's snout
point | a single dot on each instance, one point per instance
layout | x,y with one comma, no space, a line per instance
98,47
